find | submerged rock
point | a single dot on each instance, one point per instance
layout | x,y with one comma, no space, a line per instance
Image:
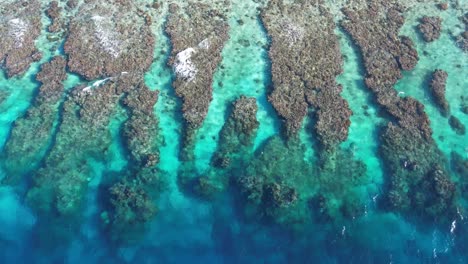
131,208
437,89
107,40
407,147
430,28
456,125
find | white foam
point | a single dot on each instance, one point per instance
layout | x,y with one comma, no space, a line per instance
107,38
18,29
184,66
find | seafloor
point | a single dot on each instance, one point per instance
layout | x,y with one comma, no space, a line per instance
235,131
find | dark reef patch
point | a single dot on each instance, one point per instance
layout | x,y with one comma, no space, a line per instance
417,181
462,39
430,28
59,185
306,59
31,134
437,90
457,125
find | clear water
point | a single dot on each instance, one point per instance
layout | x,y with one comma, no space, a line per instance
187,229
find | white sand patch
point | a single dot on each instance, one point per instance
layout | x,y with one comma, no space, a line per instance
293,32
183,66
106,36
204,44
18,29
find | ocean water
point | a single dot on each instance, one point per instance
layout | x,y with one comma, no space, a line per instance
226,228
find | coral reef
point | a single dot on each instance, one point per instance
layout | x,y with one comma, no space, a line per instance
437,90
141,129
197,34
415,171
20,26
233,151
430,28
462,39
457,125
31,134
305,59
53,12
407,148
106,41
130,198
59,185
238,132
130,207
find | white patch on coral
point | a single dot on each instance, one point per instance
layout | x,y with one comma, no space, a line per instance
205,44
183,65
18,29
107,38
96,84
293,32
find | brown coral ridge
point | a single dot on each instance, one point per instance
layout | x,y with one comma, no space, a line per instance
106,41
430,28
20,26
140,131
418,183
53,12
462,39
130,208
130,201
59,186
232,153
407,147
238,132
270,182
437,90
31,134
306,59
197,34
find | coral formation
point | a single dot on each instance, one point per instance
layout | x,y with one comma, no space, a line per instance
407,148
462,39
20,27
54,12
59,185
306,58
457,125
430,28
31,134
437,90
197,33
105,41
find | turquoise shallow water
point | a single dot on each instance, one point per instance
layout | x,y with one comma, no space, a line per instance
190,229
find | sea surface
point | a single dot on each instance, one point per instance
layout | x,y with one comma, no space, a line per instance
188,229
